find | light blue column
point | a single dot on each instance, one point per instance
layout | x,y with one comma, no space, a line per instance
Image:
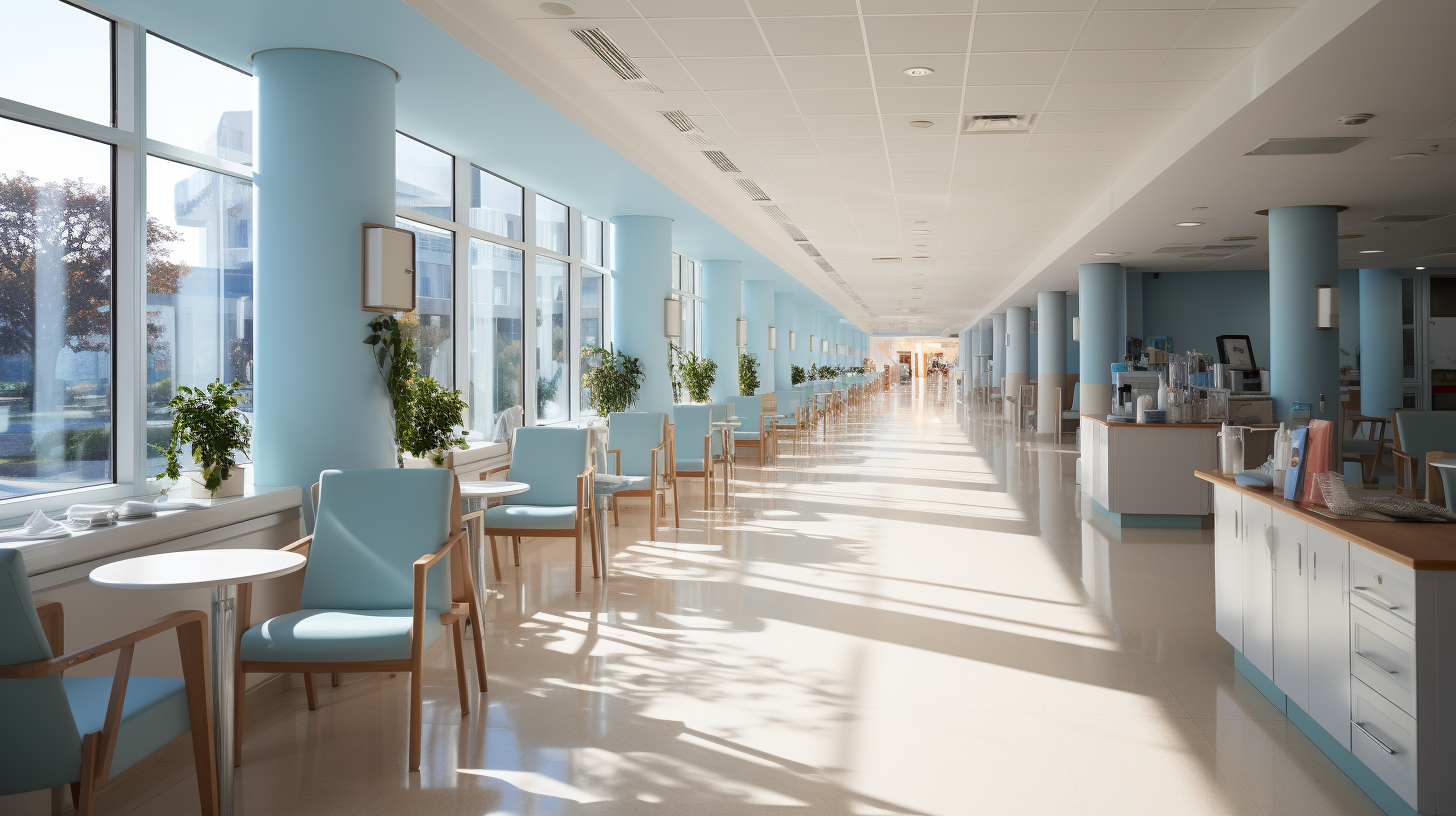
1074,352
1051,366
1102,304
803,327
1304,362
641,281
722,306
998,349
816,357
1381,361
325,167
783,323
758,307
1018,352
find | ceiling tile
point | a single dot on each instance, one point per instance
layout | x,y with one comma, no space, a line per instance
754,127
1060,142
1005,98
691,8
921,188
924,175
1233,28
527,9
1164,95
1244,4
991,143
862,176
1026,32
734,73
633,36
711,38
890,69
799,36
669,74
791,178
919,100
1015,69
1148,5
918,34
1026,175
1108,96
825,72
843,125
1145,121
920,144
1111,158
795,161
857,161
942,124
801,8
851,144
1126,141
910,161
693,103
1096,174
991,6
1073,122
836,101
987,187
1198,64
1131,30
749,103
1066,160
1112,66
784,144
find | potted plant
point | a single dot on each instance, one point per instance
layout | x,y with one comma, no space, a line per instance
797,374
209,420
613,382
423,415
698,374
747,374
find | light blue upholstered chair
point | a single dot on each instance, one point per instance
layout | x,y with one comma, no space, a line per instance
1416,434
639,440
789,403
73,730
1075,412
695,447
375,594
555,463
749,433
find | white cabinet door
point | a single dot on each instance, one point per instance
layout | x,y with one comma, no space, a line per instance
1257,518
1228,567
1289,541
1329,633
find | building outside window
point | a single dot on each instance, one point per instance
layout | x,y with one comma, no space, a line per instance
552,232
495,331
687,277
423,178
495,205
592,325
552,340
430,324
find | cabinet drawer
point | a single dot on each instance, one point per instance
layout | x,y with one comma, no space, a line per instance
1382,584
1384,658
1384,738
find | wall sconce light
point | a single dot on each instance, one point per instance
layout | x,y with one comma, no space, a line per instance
793,341
823,346
812,347
742,332
1326,307
773,338
671,318
1008,339
1076,330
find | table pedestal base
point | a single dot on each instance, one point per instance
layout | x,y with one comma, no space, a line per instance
224,657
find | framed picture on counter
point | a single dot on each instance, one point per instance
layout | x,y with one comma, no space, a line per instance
1236,352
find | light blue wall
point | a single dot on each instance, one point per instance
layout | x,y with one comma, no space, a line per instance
1381,358
783,323
1035,346
758,307
1349,316
998,349
641,281
1074,351
722,306
803,327
1136,315
326,166
1195,307
1102,299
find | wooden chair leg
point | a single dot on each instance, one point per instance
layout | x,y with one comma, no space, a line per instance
238,688
652,516
616,521
578,560
86,794
495,559
479,641
417,703
596,554
707,483
517,541
676,520
460,667
309,690
336,679
192,646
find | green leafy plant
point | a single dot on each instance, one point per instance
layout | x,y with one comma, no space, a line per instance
698,374
674,371
747,374
435,421
613,381
797,374
423,415
207,419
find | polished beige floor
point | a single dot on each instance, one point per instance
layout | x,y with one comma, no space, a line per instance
921,621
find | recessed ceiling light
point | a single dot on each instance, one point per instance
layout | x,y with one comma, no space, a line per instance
1404,156
560,8
1189,224
1242,238
920,232
919,71
1420,268
1110,254
1371,251
922,124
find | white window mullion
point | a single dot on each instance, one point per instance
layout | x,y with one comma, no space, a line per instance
129,352
528,309
460,286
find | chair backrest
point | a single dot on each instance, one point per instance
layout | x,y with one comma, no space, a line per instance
549,460
1441,481
690,424
768,403
1419,432
747,410
1076,396
42,748
372,526
634,434
719,412
788,402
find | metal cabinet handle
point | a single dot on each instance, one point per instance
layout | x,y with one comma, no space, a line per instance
1373,664
1368,594
1386,748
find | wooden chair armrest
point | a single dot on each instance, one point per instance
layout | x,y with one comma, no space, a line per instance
468,517
46,668
489,472
617,451
300,544
53,624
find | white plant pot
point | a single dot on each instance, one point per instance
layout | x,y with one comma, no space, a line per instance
197,484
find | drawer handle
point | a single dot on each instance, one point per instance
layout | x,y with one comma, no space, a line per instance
1369,595
1386,748
1373,664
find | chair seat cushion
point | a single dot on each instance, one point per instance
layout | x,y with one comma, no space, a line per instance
748,436
337,636
154,714
531,517
607,484
1071,414
690,465
1362,447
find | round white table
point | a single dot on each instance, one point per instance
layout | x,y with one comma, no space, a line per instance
221,571
478,496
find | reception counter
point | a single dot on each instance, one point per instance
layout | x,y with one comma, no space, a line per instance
1345,626
1142,475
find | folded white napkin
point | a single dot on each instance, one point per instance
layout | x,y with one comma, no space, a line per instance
135,509
179,504
39,526
94,515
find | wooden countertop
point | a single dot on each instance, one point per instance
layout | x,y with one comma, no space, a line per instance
1152,424
1422,546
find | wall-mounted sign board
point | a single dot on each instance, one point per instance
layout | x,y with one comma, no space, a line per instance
389,269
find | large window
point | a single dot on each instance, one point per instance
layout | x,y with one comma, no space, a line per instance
495,205
56,254
429,325
58,57
198,104
593,247
551,225
552,369
423,178
687,278
591,322
495,332
199,312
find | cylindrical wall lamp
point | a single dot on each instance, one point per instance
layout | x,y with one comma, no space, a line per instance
1076,330
1326,307
824,346
793,341
773,338
671,318
742,332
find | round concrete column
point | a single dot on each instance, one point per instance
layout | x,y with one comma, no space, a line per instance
1304,362
325,168
1101,301
803,327
758,307
1018,353
998,353
1381,360
722,306
1051,364
641,281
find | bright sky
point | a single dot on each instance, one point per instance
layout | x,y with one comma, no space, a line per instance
56,56
52,156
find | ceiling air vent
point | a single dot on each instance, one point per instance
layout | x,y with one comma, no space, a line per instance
999,123
887,259
1178,249
1182,249
687,127
1407,219
1210,255
811,250
755,192
721,161
1305,147
597,41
